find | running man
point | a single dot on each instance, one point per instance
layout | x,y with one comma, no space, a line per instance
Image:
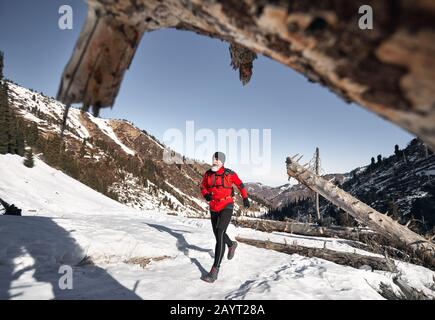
217,188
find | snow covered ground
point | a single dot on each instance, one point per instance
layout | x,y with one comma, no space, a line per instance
66,223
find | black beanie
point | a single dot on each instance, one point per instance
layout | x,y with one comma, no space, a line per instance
219,156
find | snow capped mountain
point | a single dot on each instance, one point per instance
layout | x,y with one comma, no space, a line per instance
116,158
402,185
117,252
276,197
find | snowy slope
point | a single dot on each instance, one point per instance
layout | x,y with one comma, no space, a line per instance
25,100
109,143
65,222
104,125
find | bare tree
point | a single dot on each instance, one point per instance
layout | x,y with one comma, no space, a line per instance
375,220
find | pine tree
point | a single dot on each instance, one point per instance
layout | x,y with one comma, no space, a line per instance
31,134
29,162
19,137
1,65
3,112
82,151
379,159
12,132
372,166
11,128
393,209
4,126
52,151
15,127
397,151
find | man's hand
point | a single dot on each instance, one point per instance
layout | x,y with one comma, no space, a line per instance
246,203
208,197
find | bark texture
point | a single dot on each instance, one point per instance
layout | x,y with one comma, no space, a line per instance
307,229
349,259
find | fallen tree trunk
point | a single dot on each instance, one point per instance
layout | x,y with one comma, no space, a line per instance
375,220
357,238
389,69
307,229
348,259
406,291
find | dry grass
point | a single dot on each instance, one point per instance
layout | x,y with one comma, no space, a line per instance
144,261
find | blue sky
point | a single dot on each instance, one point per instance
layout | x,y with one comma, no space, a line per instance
180,76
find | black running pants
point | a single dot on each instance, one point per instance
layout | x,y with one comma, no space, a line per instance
220,221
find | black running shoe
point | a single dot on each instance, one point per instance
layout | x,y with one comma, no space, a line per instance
211,276
231,250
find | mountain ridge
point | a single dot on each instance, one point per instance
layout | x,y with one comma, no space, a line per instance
115,157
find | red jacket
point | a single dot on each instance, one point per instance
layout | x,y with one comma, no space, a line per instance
220,185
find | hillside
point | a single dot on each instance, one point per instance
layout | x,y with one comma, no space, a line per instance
114,157
401,185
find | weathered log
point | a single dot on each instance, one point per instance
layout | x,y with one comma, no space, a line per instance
406,291
307,229
349,259
389,69
375,220
102,53
357,238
